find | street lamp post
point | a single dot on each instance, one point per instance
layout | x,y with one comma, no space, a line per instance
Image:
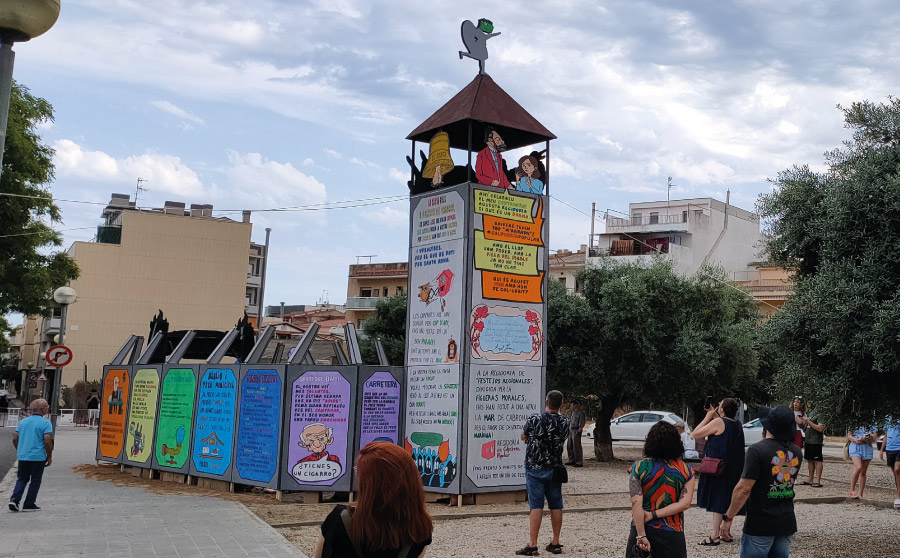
20,21
64,296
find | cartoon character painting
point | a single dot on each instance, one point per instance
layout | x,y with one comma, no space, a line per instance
115,398
475,40
138,434
432,456
528,175
489,165
452,351
170,452
439,288
319,465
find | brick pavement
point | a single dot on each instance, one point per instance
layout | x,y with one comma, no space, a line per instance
80,517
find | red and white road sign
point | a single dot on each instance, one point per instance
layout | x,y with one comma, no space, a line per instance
58,356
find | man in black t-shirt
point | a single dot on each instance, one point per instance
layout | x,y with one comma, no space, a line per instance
767,487
545,435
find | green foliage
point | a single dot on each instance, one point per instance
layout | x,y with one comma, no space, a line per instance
389,325
29,270
837,341
643,335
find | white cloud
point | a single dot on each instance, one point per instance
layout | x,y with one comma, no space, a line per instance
372,169
308,162
331,153
398,175
186,117
389,217
268,183
163,172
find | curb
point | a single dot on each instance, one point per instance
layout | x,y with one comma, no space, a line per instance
9,481
476,515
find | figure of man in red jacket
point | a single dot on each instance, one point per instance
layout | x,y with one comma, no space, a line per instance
489,162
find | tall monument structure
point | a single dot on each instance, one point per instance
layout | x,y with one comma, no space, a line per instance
476,348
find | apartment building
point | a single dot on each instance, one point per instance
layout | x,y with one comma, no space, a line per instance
201,271
769,286
366,283
690,232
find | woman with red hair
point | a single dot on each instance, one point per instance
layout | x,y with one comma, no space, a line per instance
389,519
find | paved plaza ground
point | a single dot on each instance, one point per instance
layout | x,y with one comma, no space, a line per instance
102,512
81,517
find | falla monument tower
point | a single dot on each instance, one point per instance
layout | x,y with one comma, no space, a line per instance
476,324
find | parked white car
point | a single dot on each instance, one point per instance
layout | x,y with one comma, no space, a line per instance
753,432
635,425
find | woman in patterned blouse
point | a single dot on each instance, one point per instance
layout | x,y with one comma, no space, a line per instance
661,487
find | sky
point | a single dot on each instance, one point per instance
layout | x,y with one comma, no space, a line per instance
271,104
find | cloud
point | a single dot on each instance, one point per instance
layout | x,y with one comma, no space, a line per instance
398,176
373,170
389,217
267,183
163,172
186,117
331,153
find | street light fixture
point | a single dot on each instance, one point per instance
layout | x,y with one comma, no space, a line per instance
64,296
20,21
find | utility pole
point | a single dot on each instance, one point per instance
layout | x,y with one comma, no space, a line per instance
262,283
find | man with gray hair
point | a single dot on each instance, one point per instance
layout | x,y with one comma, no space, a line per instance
34,450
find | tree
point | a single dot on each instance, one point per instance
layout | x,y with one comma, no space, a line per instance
837,340
29,269
389,325
644,335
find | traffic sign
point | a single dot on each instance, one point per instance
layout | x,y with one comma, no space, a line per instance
58,356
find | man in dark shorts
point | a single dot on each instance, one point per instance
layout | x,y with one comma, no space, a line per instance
545,434
891,446
767,487
812,451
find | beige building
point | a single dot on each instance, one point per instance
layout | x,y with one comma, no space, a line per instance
185,262
367,283
565,265
770,287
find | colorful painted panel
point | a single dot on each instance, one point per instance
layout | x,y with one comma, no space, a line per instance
114,413
259,426
435,306
432,423
319,428
380,416
176,414
506,333
438,218
214,428
500,398
142,415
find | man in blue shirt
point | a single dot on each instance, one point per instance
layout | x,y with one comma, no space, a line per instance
891,445
34,449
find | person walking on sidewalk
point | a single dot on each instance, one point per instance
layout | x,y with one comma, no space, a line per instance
576,426
891,445
33,440
767,487
545,434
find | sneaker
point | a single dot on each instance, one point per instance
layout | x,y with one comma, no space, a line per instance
31,508
13,506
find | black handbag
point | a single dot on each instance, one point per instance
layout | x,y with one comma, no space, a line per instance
560,475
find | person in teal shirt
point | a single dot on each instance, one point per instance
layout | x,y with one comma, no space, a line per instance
891,445
34,450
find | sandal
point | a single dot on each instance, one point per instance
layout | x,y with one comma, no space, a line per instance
709,541
730,539
816,485
554,548
854,496
897,504
528,551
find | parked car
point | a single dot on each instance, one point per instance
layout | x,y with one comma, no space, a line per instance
753,432
635,425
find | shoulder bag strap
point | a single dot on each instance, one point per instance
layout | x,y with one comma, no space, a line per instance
345,517
404,552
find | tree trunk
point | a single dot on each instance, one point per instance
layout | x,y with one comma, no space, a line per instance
603,450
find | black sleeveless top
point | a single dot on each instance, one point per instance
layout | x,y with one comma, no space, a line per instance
338,544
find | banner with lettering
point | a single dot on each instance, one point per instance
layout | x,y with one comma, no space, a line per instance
213,452
258,441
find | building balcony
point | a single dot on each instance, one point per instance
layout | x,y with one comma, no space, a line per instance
253,280
111,234
655,223
362,303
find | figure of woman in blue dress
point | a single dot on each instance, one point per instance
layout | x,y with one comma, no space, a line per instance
528,176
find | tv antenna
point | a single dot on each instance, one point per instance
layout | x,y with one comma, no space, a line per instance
668,192
140,188
323,300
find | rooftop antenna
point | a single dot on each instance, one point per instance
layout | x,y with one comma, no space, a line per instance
323,300
668,192
140,188
370,258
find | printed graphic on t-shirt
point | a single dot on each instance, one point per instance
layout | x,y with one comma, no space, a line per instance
784,469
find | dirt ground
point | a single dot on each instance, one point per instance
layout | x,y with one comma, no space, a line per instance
598,518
